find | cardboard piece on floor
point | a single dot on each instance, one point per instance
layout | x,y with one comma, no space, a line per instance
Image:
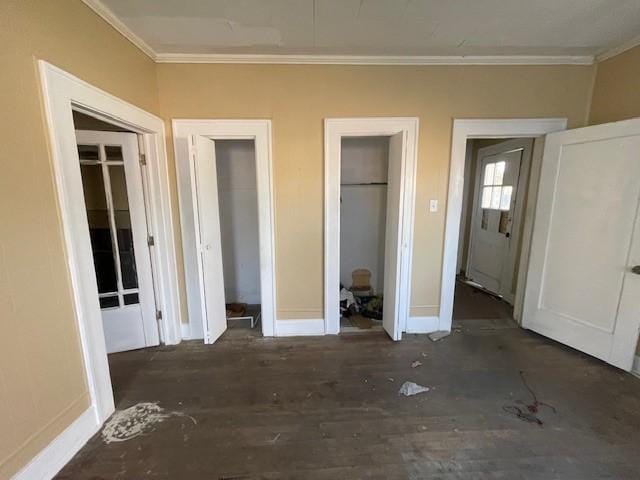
439,335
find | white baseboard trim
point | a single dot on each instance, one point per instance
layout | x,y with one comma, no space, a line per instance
50,461
422,324
635,370
300,328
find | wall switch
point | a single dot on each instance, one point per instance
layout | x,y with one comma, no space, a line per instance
433,206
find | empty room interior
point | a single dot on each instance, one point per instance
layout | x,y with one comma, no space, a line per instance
394,239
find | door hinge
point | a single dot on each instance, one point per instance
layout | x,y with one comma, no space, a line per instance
143,159
151,241
158,314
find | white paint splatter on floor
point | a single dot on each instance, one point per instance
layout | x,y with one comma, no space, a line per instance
136,420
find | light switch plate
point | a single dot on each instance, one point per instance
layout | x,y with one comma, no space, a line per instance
433,206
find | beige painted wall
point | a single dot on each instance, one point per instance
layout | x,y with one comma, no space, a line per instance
42,386
616,95
297,98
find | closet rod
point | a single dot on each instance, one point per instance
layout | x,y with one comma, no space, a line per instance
373,183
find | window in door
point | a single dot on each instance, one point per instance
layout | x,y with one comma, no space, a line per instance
495,195
105,192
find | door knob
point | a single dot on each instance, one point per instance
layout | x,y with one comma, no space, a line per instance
635,269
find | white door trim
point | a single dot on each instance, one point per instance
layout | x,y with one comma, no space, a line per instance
463,130
260,132
63,92
334,130
526,144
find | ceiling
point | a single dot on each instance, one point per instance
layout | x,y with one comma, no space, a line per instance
379,27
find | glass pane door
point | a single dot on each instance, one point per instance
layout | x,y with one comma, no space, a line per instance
105,193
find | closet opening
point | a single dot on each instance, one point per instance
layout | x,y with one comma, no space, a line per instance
239,234
363,214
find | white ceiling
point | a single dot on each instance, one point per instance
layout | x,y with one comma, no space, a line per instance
380,27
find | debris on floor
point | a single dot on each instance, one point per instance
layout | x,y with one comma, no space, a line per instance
409,389
416,364
361,299
371,306
361,322
347,300
361,282
528,412
136,420
439,335
236,309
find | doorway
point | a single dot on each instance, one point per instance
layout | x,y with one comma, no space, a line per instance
457,222
63,94
496,183
369,201
113,184
363,212
577,279
226,206
235,169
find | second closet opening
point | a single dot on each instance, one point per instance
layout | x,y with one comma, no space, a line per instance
363,213
239,232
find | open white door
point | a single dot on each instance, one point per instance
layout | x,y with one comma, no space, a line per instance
205,188
393,242
581,286
114,200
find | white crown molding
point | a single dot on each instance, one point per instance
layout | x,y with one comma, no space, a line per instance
377,59
634,42
108,16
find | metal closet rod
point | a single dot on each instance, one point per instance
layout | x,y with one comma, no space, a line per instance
372,183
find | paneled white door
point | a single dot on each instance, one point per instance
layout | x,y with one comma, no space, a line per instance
208,237
583,284
392,240
502,172
114,200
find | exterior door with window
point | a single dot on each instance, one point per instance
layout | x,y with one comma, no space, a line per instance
501,172
114,202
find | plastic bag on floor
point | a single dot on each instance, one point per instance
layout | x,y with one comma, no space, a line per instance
409,389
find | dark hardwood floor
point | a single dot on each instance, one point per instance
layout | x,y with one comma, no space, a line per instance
329,408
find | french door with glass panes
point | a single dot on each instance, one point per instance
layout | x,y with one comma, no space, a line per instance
114,201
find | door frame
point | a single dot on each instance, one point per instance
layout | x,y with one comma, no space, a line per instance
334,130
220,129
463,130
62,93
526,144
